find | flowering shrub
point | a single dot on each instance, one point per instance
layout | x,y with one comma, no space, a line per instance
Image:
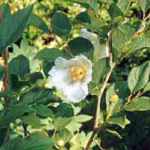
74,75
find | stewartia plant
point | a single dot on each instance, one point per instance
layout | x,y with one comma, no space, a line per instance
75,75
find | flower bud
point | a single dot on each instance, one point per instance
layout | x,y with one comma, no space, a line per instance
60,143
114,98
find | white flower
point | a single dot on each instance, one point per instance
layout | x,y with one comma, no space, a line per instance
71,77
92,37
100,50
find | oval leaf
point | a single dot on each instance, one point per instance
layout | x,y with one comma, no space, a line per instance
61,24
80,45
19,66
138,104
12,27
49,54
138,77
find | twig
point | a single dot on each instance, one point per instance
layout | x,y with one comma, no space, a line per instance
96,123
140,93
90,140
147,17
132,96
129,98
112,65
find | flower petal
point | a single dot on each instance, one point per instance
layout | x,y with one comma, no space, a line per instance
92,37
58,77
75,93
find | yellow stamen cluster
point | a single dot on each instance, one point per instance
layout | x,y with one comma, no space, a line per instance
78,73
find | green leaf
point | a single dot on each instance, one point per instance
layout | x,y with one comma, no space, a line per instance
74,126
123,5
32,120
144,4
49,54
139,42
79,141
138,104
4,8
82,118
12,27
120,38
13,144
64,110
19,66
37,22
61,122
119,8
115,11
43,111
60,24
63,135
119,119
138,77
39,96
94,5
80,45
83,17
122,89
27,50
36,141
147,87
13,112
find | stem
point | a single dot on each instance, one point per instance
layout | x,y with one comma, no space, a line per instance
112,65
147,17
25,129
96,121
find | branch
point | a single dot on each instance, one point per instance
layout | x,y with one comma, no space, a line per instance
112,65
96,123
96,126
